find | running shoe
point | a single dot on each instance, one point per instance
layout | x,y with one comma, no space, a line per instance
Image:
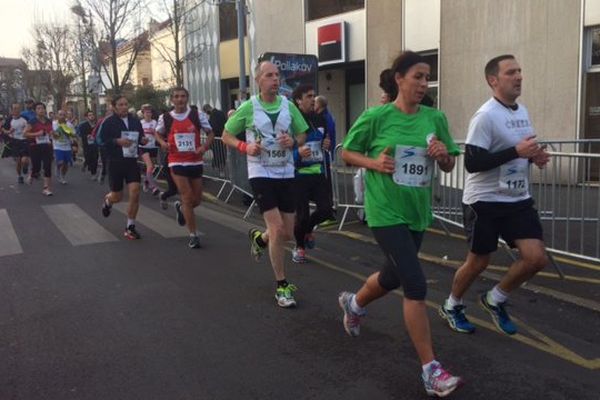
29,180
299,255
351,319
178,214
106,207
63,180
255,249
46,192
499,316
20,180
285,297
194,242
309,241
131,233
162,201
155,191
456,318
439,382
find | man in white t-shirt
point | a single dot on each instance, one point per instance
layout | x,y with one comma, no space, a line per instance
14,127
500,147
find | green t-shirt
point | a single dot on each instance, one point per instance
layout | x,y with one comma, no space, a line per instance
243,117
386,202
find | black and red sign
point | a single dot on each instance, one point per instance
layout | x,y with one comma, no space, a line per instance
331,42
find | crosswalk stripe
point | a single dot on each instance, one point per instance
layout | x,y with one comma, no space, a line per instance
158,222
77,226
9,242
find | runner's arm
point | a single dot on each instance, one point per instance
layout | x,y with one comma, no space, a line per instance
478,159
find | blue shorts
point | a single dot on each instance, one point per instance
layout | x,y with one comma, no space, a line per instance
63,156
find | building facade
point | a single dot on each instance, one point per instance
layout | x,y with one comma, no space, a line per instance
557,43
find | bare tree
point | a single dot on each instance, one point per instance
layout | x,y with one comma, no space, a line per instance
182,23
53,54
120,28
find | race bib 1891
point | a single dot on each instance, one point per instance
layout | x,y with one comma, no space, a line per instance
413,166
185,142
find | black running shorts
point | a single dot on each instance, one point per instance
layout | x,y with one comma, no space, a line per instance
485,222
189,171
119,170
272,193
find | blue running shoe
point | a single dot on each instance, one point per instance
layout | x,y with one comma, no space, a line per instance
499,316
456,318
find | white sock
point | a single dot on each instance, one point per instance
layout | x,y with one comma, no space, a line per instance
130,222
496,296
427,367
193,234
452,302
355,308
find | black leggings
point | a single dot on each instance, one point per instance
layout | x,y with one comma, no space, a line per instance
401,246
41,155
90,152
172,187
310,187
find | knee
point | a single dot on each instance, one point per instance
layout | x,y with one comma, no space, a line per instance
536,261
134,191
415,288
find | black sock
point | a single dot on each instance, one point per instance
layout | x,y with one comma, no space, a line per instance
260,241
283,283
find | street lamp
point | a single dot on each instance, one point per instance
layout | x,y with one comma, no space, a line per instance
78,10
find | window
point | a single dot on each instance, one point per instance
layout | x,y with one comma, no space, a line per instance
228,22
431,58
595,53
324,8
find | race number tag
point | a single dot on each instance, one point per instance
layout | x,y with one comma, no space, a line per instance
91,140
130,151
413,166
514,178
273,154
44,139
316,152
151,140
185,142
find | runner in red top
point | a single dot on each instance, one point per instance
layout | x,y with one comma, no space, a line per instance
181,128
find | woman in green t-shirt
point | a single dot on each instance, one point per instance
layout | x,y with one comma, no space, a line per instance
398,144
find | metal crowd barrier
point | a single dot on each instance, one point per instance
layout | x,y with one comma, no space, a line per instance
215,164
566,191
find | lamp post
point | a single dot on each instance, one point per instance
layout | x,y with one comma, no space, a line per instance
80,12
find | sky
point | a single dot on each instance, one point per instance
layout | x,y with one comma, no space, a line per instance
18,17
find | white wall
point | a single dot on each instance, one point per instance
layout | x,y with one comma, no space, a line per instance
592,12
421,24
355,34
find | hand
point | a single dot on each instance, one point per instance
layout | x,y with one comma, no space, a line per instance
304,151
326,143
437,150
285,140
527,148
164,145
253,149
144,140
541,158
385,163
124,142
201,150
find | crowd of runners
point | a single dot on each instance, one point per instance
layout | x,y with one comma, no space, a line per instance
286,143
